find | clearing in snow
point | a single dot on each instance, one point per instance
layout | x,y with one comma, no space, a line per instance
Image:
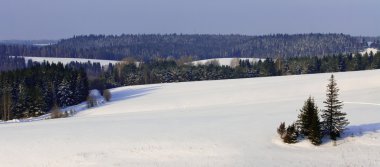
207,123
224,61
65,61
369,50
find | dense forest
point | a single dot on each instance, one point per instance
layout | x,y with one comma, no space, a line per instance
145,47
33,91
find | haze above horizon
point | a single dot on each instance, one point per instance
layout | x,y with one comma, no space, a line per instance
54,19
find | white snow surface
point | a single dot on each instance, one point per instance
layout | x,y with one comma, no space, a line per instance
207,123
223,61
369,50
69,60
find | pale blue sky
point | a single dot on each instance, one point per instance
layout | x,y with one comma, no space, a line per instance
56,19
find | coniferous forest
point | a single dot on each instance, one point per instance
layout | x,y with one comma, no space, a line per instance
33,91
145,47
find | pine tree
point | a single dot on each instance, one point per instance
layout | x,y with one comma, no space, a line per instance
334,120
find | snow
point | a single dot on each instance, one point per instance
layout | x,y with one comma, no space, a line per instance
207,123
223,61
369,50
69,60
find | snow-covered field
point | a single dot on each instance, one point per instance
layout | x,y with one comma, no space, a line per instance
68,60
369,50
223,61
208,123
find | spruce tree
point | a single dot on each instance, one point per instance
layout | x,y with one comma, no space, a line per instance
305,117
291,134
309,123
334,120
315,131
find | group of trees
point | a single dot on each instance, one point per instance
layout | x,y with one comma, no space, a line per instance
309,124
34,91
148,46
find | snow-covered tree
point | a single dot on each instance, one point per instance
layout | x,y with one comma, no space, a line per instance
65,94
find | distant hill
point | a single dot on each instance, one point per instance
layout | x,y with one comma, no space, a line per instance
197,46
29,42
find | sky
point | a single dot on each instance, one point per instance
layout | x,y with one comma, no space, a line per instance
58,19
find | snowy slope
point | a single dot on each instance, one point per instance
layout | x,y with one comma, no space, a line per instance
68,60
208,123
223,61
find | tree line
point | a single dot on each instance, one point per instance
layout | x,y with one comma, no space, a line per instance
132,72
33,91
148,46
164,70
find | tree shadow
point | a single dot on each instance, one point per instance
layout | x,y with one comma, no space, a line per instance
360,130
353,131
133,93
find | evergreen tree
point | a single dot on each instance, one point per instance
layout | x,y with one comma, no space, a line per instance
334,120
315,132
36,104
81,90
291,134
305,117
309,123
65,94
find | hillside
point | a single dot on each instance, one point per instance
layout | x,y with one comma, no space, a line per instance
197,46
207,123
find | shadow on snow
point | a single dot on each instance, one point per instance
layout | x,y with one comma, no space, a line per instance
133,93
360,130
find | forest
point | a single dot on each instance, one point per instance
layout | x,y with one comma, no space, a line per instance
33,91
151,46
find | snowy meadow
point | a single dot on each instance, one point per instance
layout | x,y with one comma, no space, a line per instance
206,123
